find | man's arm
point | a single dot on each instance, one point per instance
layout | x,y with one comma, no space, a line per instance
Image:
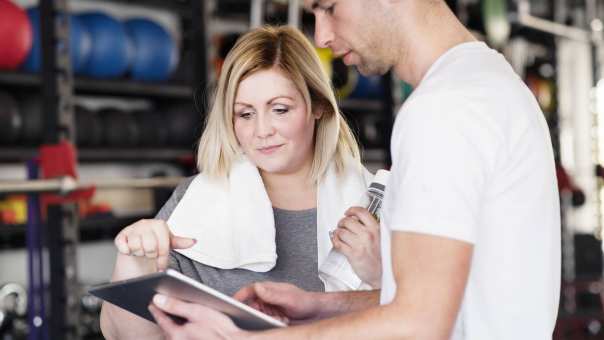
431,274
299,305
337,303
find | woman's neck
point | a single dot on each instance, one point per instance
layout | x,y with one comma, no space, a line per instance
291,191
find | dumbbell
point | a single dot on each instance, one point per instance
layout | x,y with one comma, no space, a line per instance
13,305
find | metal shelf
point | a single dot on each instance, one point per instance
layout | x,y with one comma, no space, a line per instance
94,228
183,7
138,154
132,88
361,105
22,154
123,87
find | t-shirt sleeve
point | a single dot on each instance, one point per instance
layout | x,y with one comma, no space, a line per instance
165,212
444,152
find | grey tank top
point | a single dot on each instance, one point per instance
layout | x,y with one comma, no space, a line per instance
296,240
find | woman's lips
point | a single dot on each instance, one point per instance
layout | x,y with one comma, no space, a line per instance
269,149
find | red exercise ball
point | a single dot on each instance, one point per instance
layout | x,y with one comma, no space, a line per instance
15,35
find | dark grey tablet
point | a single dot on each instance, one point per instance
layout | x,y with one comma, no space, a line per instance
135,295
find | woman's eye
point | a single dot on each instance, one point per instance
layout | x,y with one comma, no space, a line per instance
280,110
245,115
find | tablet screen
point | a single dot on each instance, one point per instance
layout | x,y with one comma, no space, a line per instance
135,295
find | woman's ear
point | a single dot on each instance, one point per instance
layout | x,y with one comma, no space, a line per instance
317,114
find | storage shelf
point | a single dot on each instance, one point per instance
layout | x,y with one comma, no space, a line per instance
123,87
97,228
355,105
136,154
183,7
21,154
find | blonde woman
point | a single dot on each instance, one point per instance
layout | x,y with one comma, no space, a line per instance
279,168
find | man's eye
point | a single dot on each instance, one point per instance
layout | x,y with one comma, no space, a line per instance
329,10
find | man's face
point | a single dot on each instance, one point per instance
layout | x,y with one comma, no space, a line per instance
352,29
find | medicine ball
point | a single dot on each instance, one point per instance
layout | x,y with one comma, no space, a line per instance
89,127
32,118
367,87
152,127
119,128
112,49
184,125
10,120
15,35
155,53
79,40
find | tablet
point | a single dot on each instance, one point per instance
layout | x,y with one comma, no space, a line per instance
135,295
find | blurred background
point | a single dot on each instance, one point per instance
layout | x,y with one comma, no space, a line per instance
114,93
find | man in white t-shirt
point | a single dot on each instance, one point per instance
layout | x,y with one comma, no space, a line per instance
470,227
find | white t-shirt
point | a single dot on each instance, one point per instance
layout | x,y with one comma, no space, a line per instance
473,161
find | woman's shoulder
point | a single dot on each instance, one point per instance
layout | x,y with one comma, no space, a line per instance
181,189
178,193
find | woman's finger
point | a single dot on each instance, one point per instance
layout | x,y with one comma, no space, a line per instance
339,245
135,244
363,216
149,242
351,224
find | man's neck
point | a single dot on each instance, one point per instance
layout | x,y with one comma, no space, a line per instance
426,42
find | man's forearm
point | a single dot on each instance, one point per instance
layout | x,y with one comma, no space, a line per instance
383,322
337,303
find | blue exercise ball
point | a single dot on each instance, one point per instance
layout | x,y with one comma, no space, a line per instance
111,51
155,52
368,87
79,40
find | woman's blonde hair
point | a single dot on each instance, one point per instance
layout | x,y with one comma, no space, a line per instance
262,49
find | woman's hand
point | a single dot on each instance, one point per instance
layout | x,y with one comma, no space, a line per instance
151,239
358,238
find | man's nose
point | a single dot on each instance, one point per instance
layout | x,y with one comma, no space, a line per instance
323,31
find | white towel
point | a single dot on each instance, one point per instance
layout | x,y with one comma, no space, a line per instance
234,225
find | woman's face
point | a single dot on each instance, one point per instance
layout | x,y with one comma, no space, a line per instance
272,124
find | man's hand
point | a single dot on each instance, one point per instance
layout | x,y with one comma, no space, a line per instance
281,300
358,238
202,322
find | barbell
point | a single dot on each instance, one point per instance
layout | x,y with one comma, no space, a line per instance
67,184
